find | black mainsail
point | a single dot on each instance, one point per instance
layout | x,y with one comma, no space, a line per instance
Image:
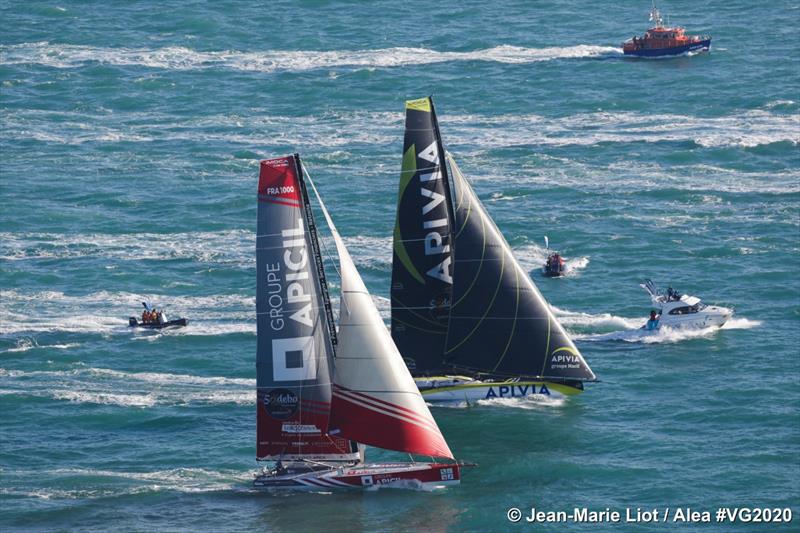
422,277
485,316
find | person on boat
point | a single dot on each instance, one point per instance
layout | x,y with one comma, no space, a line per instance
653,322
557,262
145,316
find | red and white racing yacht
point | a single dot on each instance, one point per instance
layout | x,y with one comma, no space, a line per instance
323,394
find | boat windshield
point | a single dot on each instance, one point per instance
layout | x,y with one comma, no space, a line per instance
687,309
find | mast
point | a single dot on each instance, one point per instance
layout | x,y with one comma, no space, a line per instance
445,174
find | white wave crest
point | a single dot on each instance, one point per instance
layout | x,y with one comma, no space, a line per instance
141,400
466,134
103,386
28,343
182,58
232,246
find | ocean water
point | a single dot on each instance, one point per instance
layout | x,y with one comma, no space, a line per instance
129,148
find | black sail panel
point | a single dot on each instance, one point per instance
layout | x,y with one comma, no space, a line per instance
295,351
499,321
422,253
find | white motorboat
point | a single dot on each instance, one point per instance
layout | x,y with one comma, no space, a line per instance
677,310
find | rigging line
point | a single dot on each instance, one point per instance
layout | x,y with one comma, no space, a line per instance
327,253
336,237
513,326
488,310
483,257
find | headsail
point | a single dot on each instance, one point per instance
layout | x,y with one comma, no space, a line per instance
422,261
375,400
294,361
499,322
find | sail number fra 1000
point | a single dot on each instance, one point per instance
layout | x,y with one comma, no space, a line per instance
283,189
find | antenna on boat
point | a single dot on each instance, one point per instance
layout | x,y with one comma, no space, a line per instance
655,16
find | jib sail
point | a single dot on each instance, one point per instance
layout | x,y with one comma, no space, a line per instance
375,400
295,328
422,276
499,322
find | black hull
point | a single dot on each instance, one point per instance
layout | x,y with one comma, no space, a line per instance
132,322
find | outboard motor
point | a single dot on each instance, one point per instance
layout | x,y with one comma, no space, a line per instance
132,322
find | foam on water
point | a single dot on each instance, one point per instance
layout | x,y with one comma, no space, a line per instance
533,401
532,258
603,320
93,482
139,400
182,58
29,343
465,134
106,312
219,247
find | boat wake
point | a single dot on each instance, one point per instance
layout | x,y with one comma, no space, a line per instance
95,483
532,402
182,58
664,334
576,320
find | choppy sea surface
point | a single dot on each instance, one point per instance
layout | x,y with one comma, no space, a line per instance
129,148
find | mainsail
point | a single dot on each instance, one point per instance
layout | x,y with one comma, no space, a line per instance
499,321
295,327
375,400
422,276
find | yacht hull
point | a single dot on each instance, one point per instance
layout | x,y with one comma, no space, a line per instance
671,51
440,390
392,475
693,322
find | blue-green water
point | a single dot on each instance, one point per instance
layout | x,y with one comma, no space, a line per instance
129,146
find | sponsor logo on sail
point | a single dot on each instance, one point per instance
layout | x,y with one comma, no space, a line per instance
281,403
300,428
434,241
